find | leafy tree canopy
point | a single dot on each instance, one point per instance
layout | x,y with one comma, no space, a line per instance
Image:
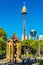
3,39
34,44
3,34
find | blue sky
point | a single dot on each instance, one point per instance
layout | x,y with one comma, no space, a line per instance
11,19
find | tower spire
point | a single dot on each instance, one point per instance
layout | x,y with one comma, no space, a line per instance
24,3
24,12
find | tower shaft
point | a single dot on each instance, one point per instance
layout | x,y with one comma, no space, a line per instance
24,27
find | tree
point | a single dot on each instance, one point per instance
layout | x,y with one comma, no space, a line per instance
3,34
3,39
32,45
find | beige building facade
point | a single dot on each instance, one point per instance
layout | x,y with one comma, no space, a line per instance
13,50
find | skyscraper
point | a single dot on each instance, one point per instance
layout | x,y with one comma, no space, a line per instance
41,37
33,34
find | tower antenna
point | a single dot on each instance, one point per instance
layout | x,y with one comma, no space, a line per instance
24,3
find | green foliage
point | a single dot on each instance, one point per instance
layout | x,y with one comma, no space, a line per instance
41,63
3,34
33,44
3,39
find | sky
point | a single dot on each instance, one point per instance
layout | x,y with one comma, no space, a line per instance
11,18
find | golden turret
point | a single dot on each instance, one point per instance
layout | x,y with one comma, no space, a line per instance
24,10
